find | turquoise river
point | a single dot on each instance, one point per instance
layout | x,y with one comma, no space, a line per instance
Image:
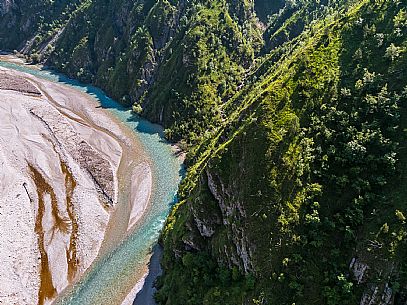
102,283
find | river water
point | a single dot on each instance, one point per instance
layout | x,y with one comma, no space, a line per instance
112,276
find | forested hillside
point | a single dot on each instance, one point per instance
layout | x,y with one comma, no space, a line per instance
294,118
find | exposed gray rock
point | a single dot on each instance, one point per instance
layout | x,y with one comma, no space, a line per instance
377,295
358,269
204,230
232,213
366,268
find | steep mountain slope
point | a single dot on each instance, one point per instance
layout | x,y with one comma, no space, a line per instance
295,125
22,20
157,55
305,195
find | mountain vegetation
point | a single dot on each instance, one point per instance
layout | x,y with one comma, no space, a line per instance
293,114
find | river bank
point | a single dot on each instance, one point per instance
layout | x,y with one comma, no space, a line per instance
63,162
159,171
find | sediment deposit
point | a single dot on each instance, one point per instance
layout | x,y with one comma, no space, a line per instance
62,164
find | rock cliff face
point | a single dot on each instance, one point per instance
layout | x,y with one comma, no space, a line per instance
293,115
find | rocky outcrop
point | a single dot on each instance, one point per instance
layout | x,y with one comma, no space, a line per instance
214,217
374,275
358,269
232,212
377,295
